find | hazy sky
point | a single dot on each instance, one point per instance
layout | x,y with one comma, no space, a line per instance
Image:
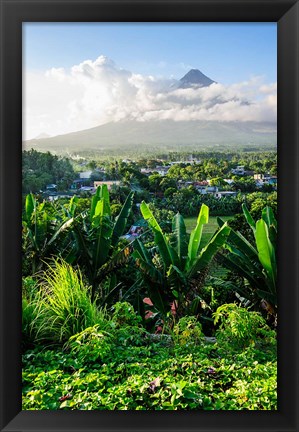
80,75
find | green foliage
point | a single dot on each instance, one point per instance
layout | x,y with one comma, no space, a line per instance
163,216
244,184
65,304
31,311
45,228
173,276
108,371
81,353
90,345
258,200
40,169
187,332
187,201
256,263
123,314
240,328
96,235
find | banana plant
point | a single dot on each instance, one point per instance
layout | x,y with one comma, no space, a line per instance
255,262
97,235
43,236
173,276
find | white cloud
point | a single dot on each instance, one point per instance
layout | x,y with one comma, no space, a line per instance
92,93
58,73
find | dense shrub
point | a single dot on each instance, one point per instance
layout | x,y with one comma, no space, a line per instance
187,332
240,328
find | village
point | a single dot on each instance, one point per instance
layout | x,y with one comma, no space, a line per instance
225,187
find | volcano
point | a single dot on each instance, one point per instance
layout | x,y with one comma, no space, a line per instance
195,78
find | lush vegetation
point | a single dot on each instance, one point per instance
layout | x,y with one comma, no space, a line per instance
119,366
181,315
41,169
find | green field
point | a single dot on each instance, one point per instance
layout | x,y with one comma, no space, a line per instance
208,229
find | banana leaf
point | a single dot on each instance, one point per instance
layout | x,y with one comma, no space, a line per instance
175,277
167,255
266,253
138,245
208,252
152,273
60,229
269,218
148,215
195,236
247,271
115,262
30,205
271,298
94,200
121,220
240,242
180,238
72,206
104,195
248,217
155,283
102,242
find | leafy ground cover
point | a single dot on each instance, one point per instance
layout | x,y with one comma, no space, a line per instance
150,378
126,368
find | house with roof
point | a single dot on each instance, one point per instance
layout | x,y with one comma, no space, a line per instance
85,175
239,170
262,179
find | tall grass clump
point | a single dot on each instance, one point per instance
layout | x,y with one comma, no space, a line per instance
67,308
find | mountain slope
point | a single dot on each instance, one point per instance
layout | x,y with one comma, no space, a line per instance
163,134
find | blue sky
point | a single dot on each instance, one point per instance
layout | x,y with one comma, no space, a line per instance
81,75
226,52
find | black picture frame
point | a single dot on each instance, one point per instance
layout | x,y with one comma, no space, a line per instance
13,14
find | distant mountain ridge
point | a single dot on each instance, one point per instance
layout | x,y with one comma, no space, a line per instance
162,134
159,134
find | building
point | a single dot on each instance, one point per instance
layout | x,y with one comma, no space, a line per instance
162,170
239,170
51,188
79,183
262,179
109,183
85,175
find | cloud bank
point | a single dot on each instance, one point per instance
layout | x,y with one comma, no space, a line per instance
93,93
